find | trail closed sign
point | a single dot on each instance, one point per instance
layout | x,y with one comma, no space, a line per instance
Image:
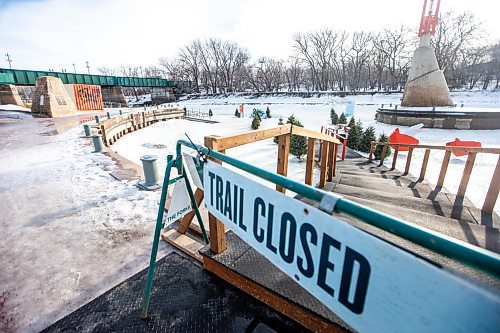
372,285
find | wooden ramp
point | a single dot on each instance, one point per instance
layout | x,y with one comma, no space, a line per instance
249,271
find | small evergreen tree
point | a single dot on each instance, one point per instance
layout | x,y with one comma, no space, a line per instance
298,144
210,113
255,122
355,134
352,122
334,117
342,119
237,113
280,122
378,150
368,137
268,113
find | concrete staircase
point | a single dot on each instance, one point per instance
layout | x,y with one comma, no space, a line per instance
405,197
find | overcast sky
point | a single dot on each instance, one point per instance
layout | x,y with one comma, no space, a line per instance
43,34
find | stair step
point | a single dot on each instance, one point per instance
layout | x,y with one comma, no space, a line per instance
420,250
374,173
400,186
437,207
475,234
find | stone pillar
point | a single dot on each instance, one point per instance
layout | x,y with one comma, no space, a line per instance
426,85
162,95
10,95
51,98
114,94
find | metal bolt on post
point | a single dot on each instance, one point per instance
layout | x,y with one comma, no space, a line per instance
150,168
86,129
97,119
98,145
109,116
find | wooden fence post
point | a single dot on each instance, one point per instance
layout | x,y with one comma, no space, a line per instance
324,164
492,195
216,227
382,156
395,158
331,161
444,167
424,164
283,151
408,161
311,151
466,175
370,157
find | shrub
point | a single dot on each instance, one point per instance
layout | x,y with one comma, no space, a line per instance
298,144
378,150
355,134
255,122
342,119
367,138
334,117
210,113
237,113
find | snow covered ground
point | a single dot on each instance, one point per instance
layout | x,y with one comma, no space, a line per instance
314,112
70,231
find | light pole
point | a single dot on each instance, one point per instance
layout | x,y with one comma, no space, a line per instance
74,68
88,67
9,60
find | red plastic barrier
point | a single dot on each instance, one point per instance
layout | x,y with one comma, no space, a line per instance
458,143
397,137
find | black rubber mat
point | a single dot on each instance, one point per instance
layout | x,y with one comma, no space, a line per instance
185,298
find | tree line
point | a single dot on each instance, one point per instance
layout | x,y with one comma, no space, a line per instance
332,59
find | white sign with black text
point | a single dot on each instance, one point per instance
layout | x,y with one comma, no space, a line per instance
180,203
372,285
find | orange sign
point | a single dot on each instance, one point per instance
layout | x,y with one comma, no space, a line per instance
88,97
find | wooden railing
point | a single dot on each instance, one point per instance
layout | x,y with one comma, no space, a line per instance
492,194
329,146
113,129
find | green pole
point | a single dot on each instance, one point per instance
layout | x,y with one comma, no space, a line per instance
156,240
468,254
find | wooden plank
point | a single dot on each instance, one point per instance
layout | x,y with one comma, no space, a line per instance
424,164
324,165
408,161
486,150
184,243
283,152
334,164
382,156
444,167
186,220
395,158
296,130
235,140
331,159
303,316
372,148
492,195
466,175
216,228
311,151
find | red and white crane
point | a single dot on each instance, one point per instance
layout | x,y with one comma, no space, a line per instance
429,19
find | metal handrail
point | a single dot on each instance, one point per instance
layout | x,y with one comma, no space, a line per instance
484,260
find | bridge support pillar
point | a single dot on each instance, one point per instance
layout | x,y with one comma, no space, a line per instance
51,98
10,95
114,94
162,95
